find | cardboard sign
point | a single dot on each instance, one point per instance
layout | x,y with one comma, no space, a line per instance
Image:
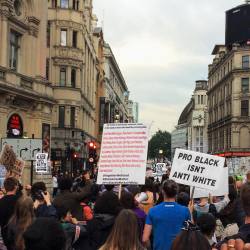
42,163
221,191
123,157
197,169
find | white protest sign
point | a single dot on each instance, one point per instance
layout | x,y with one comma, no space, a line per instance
160,168
123,156
221,191
197,169
42,163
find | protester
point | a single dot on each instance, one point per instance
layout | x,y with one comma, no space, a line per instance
22,218
73,230
42,202
183,199
7,204
242,238
128,202
229,214
207,225
45,234
148,188
71,199
124,235
165,219
190,239
107,207
206,205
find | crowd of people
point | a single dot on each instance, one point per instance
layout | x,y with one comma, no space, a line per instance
81,215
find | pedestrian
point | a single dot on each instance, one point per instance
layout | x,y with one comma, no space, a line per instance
229,214
207,226
166,219
74,232
190,238
242,238
148,188
45,234
206,205
183,199
72,199
55,184
8,204
42,202
107,207
124,235
22,218
128,202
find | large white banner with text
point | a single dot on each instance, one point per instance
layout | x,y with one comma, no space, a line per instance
123,156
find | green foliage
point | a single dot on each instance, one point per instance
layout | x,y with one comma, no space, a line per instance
161,140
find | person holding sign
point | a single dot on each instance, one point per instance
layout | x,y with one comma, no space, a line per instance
165,219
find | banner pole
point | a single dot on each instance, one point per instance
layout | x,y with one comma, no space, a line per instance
192,193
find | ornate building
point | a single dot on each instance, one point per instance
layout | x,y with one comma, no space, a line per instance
26,96
191,131
71,67
228,101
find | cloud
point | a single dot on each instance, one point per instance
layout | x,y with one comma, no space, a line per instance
162,48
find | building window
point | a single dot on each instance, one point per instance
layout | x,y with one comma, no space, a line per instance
72,117
199,99
47,69
14,47
74,39
245,62
76,4
73,78
63,37
61,122
244,108
63,76
65,4
54,3
48,33
245,85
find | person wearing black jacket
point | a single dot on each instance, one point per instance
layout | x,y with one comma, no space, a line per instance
7,204
243,235
42,201
72,199
106,209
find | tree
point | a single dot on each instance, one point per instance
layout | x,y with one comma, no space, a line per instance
161,140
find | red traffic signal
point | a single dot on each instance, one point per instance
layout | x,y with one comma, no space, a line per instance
92,145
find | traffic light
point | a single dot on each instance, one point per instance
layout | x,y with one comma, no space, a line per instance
92,153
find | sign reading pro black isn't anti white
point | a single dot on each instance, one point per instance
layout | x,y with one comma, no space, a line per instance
197,169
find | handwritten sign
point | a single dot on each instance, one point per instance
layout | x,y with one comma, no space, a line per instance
42,163
197,169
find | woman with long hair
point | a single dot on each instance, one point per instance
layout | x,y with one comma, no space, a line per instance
125,224
22,218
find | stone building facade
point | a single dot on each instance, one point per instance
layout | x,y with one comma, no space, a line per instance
72,69
191,131
26,96
228,101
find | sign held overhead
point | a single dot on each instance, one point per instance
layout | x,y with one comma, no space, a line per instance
197,169
123,157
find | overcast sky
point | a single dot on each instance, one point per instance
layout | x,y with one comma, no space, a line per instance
162,48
